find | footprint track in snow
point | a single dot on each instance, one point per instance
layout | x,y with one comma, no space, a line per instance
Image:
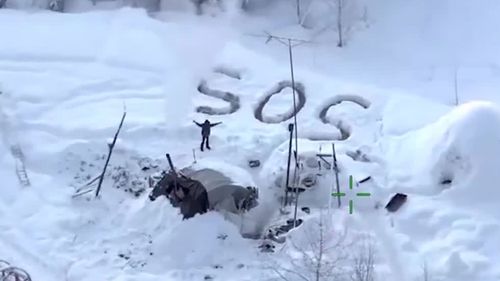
299,89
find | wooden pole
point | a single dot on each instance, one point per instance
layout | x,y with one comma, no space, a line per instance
296,186
287,185
335,168
111,146
294,102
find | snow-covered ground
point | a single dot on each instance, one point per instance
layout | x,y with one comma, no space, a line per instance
66,79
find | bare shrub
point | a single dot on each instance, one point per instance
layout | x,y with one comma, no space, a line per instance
364,261
319,254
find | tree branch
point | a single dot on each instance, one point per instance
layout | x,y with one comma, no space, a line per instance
289,271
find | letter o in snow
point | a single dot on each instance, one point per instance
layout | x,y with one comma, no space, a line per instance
299,89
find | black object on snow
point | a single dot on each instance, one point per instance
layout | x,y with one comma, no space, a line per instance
396,202
254,163
298,189
365,179
446,181
267,247
306,210
309,180
278,234
287,227
273,237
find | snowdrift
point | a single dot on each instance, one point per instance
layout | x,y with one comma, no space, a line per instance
453,152
450,171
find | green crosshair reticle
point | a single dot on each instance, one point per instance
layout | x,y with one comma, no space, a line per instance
361,194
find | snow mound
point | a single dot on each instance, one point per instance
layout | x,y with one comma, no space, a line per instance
452,151
237,174
467,156
201,241
453,161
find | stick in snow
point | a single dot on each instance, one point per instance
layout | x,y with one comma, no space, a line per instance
111,146
88,183
287,184
81,193
365,179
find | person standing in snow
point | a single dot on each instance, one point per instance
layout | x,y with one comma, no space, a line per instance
205,132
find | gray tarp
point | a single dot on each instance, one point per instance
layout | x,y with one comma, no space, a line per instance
223,193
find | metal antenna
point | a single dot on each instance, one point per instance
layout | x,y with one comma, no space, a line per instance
290,43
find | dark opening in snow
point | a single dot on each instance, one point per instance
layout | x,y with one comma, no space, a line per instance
446,179
396,202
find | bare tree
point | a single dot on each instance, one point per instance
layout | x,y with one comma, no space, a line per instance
348,13
339,15
364,262
320,255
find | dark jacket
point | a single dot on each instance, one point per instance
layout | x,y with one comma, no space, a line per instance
205,127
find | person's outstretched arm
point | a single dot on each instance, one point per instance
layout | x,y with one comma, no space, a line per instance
199,125
215,124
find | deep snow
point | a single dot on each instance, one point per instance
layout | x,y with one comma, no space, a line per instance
66,83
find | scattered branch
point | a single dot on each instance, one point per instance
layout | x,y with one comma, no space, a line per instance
81,193
89,183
